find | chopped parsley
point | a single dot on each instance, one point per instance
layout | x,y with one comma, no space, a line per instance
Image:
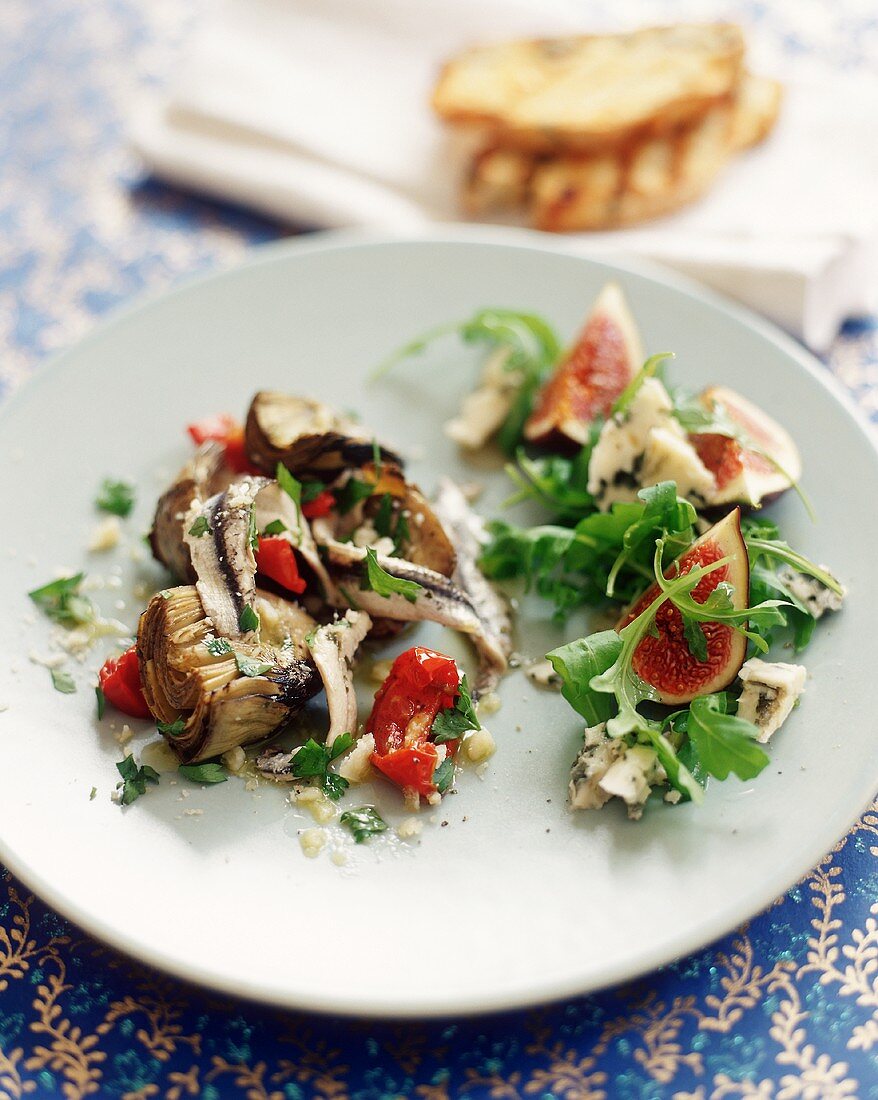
312,761
116,497
200,527
248,620
363,822
252,533
93,794
61,601
252,666
453,722
172,729
276,527
290,486
101,701
211,772
62,681
218,647
351,494
311,490
134,779
444,775
378,580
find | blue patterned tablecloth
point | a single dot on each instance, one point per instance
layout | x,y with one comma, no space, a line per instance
785,1008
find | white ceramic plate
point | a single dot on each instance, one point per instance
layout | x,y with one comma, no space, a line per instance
515,900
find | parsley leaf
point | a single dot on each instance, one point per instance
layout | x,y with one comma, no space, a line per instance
251,666
276,527
218,647
116,497
134,779
248,620
61,601
312,761
363,822
200,527
351,493
444,775
290,486
211,772
381,582
252,533
450,724
311,490
172,729
101,700
62,681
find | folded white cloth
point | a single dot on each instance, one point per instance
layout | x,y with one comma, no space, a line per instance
317,112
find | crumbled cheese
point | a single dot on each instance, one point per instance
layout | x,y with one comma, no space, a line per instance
366,535
316,802
479,745
669,456
543,675
673,796
483,411
105,535
379,671
489,703
409,828
356,767
770,693
339,857
643,446
80,640
234,759
251,784
412,799
193,813
312,842
434,798
816,597
606,768
48,660
124,735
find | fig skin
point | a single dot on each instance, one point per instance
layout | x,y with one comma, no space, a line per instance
593,372
666,662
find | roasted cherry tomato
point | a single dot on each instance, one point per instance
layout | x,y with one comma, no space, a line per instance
321,505
421,683
276,559
224,429
120,682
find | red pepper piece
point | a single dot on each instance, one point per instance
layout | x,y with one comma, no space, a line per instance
275,559
120,682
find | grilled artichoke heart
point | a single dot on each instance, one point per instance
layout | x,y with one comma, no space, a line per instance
220,706
307,437
205,474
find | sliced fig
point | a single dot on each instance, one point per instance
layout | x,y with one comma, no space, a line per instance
745,475
604,359
666,662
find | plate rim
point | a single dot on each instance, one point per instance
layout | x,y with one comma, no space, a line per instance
745,906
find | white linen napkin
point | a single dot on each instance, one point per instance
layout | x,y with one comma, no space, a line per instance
317,112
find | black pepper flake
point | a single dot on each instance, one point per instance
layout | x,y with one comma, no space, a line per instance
443,823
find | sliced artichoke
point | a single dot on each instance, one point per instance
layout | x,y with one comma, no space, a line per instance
212,695
307,437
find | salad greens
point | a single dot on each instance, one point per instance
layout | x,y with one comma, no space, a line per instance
532,349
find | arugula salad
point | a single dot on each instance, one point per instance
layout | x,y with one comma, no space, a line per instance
653,501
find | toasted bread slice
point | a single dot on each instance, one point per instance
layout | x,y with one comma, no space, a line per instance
650,177
591,92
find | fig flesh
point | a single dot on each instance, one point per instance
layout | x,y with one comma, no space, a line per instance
746,475
604,359
666,662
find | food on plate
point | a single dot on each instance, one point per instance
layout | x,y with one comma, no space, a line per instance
653,499
296,538
600,131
